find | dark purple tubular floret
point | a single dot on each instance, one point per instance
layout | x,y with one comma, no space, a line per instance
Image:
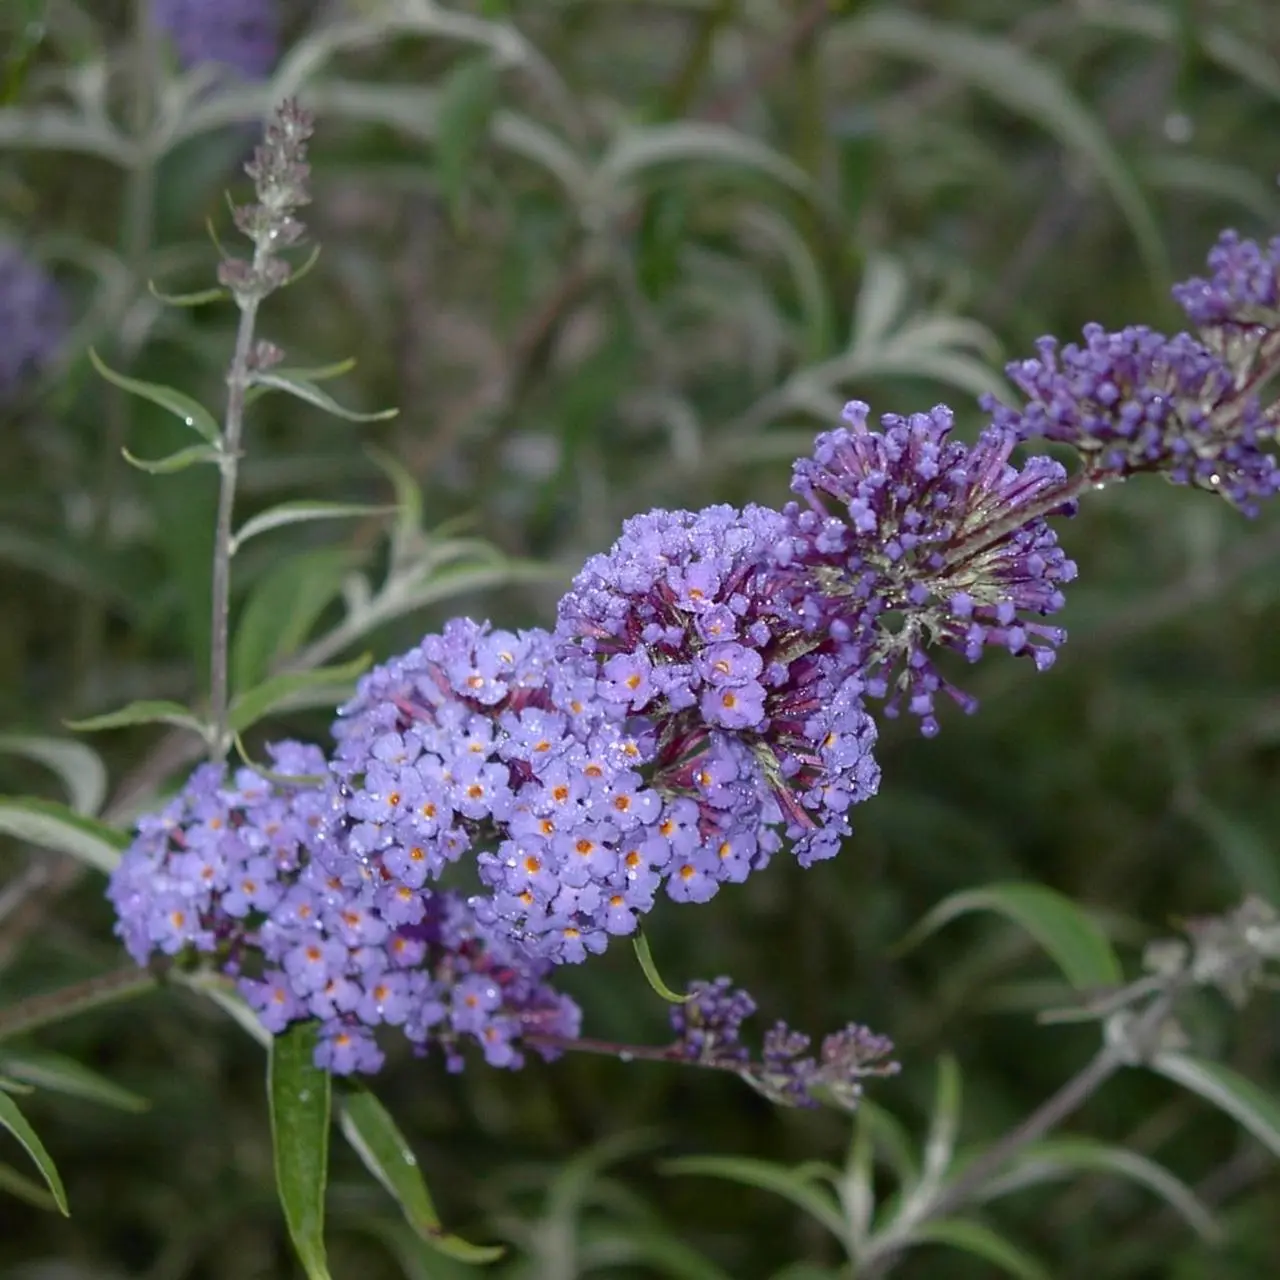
695,620
1136,401
33,319
241,35
247,872
1243,286
708,1027
915,540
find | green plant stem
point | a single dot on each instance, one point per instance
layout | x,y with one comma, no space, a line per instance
882,1252
54,1006
233,430
693,71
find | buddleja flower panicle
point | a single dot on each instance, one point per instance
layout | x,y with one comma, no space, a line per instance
242,36
695,619
1136,401
914,540
33,319
1242,289
245,872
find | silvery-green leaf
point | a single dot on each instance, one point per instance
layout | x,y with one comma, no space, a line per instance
179,461
288,690
54,826
79,767
13,1120
302,512
189,412
306,390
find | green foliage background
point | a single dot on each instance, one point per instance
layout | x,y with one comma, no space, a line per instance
606,256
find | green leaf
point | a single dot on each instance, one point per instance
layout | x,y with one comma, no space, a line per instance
300,1096
699,143
650,971
197,299
982,1242
54,826
79,767
765,1175
10,1085
944,1124
19,1185
179,461
283,607
376,1139
466,100
1252,1107
13,1120
190,412
305,389
318,373
60,1074
302,512
1024,84
1065,931
1054,1158
408,529
149,711
284,690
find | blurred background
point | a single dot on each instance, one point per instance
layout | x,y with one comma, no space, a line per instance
607,255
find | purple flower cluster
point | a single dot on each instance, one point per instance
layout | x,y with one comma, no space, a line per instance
247,871
240,35
1243,287
913,540
708,1027
33,319
1137,401
695,621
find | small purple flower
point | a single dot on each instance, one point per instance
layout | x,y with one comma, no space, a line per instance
1243,287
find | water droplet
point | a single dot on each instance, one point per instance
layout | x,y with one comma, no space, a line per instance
624,1056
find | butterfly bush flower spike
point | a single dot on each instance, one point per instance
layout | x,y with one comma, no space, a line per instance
1136,402
241,36
692,620
244,871
33,319
708,1027
913,540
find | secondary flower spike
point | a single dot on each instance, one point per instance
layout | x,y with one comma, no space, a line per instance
1136,401
914,540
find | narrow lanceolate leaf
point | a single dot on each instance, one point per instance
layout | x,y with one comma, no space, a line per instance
650,971
1056,1158
197,299
79,767
376,1139
816,1201
1065,931
283,608
982,1242
316,373
307,390
60,1074
1253,1107
944,1125
302,512
191,412
300,1097
284,690
408,528
150,711
23,1188
13,1120
466,100
179,461
54,826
